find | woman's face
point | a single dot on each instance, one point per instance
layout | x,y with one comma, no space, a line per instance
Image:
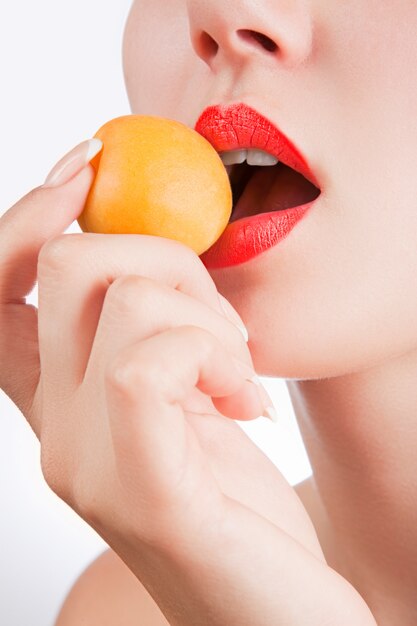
338,294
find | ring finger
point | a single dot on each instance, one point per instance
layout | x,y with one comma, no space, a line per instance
136,308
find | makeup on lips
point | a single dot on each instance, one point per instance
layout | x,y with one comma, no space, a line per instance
273,186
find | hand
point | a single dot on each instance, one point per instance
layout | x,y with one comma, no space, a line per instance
129,390
40,216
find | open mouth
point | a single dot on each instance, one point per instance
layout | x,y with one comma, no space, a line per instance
266,188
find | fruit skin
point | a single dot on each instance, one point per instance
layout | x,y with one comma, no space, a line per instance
157,176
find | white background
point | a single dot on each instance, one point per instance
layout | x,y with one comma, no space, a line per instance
61,79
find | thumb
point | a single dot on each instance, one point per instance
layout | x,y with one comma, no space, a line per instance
43,213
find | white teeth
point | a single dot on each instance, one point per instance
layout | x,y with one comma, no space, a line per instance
252,156
259,157
234,156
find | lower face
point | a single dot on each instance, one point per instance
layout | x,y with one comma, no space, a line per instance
337,294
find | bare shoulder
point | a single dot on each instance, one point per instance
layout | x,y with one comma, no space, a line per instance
107,593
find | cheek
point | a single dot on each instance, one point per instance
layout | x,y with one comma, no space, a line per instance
163,75
144,59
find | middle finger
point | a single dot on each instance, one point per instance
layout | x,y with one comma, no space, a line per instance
74,273
136,308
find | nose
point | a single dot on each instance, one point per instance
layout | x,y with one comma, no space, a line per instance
231,31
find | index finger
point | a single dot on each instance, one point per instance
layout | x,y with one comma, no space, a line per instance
74,273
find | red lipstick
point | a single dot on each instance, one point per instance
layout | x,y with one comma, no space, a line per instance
239,126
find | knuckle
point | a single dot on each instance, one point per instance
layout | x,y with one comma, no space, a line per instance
204,339
119,374
126,374
58,251
123,293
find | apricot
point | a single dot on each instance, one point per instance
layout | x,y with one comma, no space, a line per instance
157,176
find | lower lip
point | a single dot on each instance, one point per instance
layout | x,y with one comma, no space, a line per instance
248,237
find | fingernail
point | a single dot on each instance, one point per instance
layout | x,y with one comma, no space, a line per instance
233,317
250,375
269,409
271,414
73,162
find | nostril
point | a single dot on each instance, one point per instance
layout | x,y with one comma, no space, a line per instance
206,46
253,36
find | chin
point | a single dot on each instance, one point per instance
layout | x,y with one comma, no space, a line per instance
302,351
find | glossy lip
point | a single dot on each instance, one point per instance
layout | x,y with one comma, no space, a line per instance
247,237
239,126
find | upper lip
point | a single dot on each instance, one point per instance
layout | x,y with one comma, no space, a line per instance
238,126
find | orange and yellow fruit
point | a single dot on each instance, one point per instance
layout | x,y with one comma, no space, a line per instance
156,176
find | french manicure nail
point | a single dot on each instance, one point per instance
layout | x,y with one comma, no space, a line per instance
269,409
73,162
271,414
266,402
233,317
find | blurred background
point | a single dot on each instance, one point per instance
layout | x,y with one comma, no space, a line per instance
61,79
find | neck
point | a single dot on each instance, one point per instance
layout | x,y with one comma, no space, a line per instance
360,432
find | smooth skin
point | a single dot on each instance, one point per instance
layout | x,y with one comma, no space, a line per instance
331,309
134,428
